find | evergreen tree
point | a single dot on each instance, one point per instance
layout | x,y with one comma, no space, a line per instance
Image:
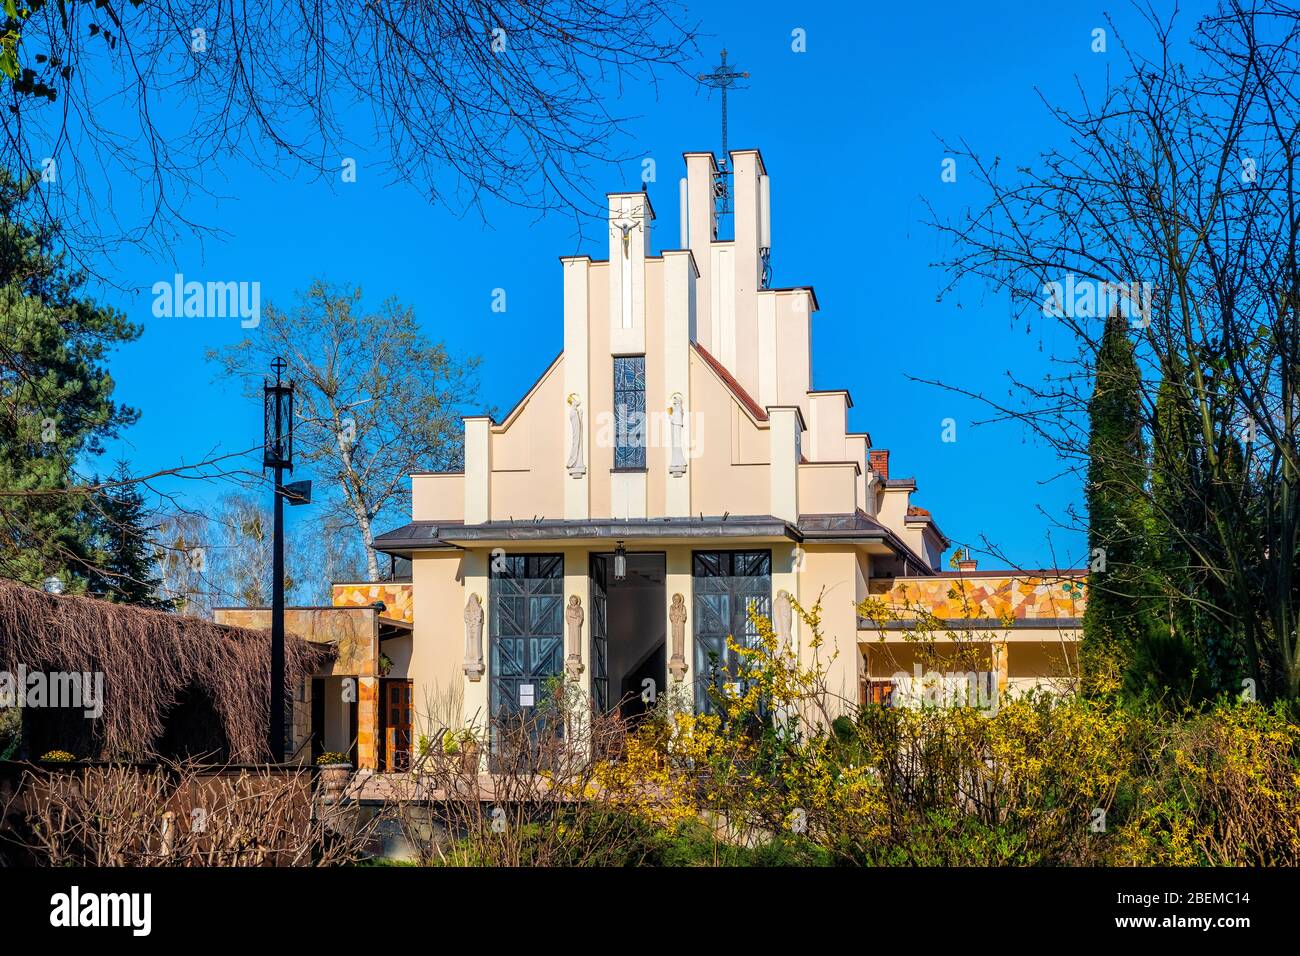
1191,648
1169,660
56,403
1118,515
124,568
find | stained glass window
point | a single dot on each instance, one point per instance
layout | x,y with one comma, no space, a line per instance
527,638
727,585
629,411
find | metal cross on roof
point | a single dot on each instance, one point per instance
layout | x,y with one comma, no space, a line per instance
723,77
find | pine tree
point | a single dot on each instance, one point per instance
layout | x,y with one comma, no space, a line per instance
56,405
1118,515
124,568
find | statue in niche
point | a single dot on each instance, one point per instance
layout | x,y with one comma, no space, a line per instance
576,468
474,638
677,618
677,421
784,620
573,617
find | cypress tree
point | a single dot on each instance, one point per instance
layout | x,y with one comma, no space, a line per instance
1173,651
1118,515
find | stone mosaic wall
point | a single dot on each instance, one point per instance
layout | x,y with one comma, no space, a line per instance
1023,597
396,595
368,723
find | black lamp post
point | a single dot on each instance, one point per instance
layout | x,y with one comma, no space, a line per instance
277,454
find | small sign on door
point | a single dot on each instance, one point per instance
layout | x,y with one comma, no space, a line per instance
526,697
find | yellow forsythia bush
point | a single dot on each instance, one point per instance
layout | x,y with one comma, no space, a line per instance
1042,779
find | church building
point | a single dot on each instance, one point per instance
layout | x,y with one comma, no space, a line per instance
672,468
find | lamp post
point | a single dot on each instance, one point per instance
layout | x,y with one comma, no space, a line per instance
277,454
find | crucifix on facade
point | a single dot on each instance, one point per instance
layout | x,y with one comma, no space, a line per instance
625,223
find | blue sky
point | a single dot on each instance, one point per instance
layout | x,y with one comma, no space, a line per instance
849,131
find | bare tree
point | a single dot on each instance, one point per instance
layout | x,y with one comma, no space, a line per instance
182,542
222,556
1175,201
375,399
463,100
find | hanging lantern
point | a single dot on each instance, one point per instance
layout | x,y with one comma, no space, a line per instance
620,563
277,406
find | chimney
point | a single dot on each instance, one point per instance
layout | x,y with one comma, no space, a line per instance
879,463
967,564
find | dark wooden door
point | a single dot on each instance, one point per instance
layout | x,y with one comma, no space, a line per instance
395,721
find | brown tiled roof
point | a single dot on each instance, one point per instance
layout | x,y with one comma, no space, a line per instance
729,380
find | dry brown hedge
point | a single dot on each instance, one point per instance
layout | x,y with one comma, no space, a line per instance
149,659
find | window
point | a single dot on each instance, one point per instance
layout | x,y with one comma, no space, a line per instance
526,633
727,585
629,411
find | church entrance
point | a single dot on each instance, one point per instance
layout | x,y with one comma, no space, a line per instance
629,656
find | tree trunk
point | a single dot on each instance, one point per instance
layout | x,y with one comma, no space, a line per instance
367,541
352,490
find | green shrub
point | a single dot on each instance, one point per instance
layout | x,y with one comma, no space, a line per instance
11,731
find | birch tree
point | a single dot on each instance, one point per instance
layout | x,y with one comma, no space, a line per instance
375,400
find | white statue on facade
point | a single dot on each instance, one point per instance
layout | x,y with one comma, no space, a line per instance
576,468
677,421
573,617
677,618
474,638
784,620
